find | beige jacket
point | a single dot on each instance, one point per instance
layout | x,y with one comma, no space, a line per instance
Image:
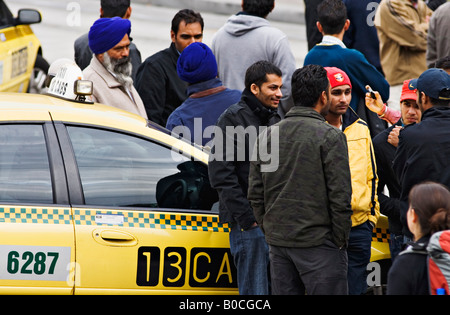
108,91
402,30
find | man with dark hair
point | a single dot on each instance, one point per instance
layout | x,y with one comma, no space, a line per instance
248,37
235,136
365,205
443,63
424,149
303,206
157,80
332,52
108,9
112,8
385,144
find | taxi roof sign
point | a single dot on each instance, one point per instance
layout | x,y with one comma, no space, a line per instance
68,82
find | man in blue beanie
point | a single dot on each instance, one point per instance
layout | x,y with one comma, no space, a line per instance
110,68
208,98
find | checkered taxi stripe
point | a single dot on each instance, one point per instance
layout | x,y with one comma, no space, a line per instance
35,215
380,235
151,220
155,220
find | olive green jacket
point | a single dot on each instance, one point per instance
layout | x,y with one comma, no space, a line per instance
304,199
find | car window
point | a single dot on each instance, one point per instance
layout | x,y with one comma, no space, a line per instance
120,170
6,18
24,165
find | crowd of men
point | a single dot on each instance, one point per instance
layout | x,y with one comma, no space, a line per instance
343,128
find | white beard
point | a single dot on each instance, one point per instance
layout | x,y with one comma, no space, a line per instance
122,69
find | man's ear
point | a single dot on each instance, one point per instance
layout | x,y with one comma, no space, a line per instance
319,27
323,98
346,25
100,57
128,13
254,89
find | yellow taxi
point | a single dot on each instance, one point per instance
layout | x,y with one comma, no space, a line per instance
22,67
95,200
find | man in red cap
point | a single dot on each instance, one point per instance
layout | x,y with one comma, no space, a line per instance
365,206
385,146
424,149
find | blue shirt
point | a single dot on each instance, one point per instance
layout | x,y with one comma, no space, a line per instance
198,113
352,62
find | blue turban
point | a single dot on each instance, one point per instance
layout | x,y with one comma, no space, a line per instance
197,63
107,33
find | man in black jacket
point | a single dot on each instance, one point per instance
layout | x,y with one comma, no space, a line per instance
235,136
385,144
424,149
157,80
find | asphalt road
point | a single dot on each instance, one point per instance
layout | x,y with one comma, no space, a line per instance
64,21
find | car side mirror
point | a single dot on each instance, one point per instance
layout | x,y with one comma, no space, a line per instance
28,16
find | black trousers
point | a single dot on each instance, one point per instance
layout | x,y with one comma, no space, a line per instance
320,270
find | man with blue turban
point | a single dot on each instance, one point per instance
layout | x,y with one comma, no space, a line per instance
110,69
108,9
208,98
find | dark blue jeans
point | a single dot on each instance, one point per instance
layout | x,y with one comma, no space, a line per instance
397,245
251,257
359,251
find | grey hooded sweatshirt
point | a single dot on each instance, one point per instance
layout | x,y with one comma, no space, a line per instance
246,39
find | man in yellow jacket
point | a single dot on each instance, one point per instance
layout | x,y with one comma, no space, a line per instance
365,206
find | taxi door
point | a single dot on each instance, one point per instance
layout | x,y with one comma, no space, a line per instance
37,252
132,234
18,50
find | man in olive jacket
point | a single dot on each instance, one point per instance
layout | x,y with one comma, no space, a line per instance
303,206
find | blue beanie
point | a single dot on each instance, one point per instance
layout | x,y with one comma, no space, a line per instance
197,63
107,33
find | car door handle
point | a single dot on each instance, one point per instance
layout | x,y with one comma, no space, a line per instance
116,236
111,237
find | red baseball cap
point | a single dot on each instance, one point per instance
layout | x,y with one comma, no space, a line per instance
337,77
408,94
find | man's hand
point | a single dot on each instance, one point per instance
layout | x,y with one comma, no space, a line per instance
393,136
374,104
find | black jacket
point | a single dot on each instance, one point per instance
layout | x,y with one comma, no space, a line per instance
159,85
228,171
409,273
384,155
423,154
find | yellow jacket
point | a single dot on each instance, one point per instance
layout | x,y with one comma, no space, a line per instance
363,170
